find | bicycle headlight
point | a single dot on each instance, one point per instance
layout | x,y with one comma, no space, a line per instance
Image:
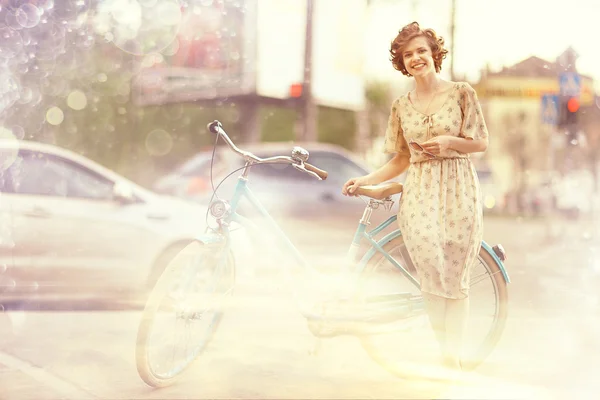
219,208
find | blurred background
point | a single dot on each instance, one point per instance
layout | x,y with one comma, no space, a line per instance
131,84
103,142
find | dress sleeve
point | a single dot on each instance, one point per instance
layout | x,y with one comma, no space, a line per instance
473,124
394,136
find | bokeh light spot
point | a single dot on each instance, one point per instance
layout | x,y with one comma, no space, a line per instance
28,15
55,116
11,42
139,27
159,142
77,100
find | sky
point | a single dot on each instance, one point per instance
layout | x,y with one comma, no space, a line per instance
496,32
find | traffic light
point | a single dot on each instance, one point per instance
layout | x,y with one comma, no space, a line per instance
569,118
296,90
569,112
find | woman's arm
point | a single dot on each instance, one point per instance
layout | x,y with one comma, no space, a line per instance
440,144
468,145
397,165
394,167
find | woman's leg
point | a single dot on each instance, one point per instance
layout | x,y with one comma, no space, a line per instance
457,314
436,309
448,318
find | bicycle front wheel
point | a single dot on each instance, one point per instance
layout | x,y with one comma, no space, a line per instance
398,350
183,312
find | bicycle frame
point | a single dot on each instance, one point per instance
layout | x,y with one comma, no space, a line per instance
401,302
243,191
355,265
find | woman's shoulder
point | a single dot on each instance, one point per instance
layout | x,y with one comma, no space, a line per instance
464,87
399,101
402,97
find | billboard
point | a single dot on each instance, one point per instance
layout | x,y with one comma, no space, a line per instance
211,56
339,53
230,48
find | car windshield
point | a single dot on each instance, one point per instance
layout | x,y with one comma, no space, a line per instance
340,167
198,165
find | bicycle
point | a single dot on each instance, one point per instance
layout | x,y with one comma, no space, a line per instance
205,273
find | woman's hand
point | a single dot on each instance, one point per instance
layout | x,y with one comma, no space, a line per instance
438,144
352,184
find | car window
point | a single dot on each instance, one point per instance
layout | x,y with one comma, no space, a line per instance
339,168
275,171
199,165
196,165
278,171
42,174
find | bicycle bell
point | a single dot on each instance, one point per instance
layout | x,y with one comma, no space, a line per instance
300,154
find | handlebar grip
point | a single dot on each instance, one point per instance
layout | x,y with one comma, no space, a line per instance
322,174
214,126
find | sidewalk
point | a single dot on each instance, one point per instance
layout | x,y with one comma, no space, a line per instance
17,385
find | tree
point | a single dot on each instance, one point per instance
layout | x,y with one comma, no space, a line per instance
378,98
515,144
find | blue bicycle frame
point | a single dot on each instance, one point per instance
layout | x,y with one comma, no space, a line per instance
355,266
242,190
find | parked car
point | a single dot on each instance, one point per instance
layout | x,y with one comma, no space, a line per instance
493,197
575,194
282,189
73,229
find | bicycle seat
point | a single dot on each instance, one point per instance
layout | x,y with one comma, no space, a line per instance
380,192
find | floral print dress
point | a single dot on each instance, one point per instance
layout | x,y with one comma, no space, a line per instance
441,214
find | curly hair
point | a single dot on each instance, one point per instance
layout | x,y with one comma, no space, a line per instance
408,33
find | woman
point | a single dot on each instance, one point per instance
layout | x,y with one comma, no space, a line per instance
432,130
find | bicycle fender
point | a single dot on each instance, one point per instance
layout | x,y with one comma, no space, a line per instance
497,259
395,234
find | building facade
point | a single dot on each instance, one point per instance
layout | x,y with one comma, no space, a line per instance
525,151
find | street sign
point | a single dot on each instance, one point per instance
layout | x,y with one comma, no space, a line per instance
550,109
570,84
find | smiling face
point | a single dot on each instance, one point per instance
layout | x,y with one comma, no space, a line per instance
418,57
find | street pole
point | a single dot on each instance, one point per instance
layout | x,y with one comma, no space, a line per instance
452,36
308,123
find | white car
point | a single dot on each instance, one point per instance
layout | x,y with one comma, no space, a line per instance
72,229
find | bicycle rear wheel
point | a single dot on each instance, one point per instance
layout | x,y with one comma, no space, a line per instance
188,300
400,350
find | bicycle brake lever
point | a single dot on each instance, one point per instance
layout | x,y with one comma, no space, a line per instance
300,167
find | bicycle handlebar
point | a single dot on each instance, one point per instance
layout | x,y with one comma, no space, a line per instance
217,128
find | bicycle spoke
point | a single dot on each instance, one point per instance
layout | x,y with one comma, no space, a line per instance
477,279
398,342
194,291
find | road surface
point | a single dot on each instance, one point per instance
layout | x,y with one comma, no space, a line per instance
263,349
